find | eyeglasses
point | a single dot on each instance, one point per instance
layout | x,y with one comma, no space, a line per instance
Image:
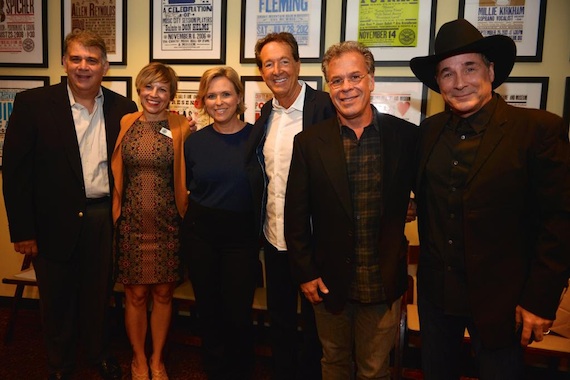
352,79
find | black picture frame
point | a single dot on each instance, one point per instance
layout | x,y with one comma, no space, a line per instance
256,93
529,92
377,34
122,85
184,101
117,43
307,25
119,84
10,85
206,46
566,111
526,28
29,48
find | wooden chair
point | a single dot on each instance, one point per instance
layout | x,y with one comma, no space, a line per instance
26,277
553,347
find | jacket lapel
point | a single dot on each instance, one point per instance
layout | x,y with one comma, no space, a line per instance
308,107
430,132
491,138
61,113
331,152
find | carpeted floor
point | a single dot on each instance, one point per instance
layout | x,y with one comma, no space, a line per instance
24,358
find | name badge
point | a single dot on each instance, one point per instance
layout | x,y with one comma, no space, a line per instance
166,132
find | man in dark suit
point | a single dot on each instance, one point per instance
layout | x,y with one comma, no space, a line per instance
57,185
345,210
493,193
295,107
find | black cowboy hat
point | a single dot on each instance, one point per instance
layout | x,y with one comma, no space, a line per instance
459,37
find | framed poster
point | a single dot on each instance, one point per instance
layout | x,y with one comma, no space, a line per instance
528,92
403,97
188,31
23,34
394,31
522,20
256,93
121,85
185,102
566,111
304,19
108,18
9,87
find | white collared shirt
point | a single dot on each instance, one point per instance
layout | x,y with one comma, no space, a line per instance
282,126
92,140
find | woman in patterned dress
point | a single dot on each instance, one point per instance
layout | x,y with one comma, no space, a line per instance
220,232
149,201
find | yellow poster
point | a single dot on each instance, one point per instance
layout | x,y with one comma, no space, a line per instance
388,23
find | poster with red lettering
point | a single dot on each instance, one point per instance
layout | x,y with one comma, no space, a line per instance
23,33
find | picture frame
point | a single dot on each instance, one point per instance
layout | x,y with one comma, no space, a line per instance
528,92
184,102
185,34
110,23
120,85
10,85
403,97
256,93
306,24
521,20
26,43
395,32
566,111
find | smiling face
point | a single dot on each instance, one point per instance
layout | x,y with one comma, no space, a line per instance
85,68
465,82
351,100
155,98
280,72
221,101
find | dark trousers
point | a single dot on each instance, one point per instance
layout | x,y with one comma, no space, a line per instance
292,358
442,337
74,295
222,253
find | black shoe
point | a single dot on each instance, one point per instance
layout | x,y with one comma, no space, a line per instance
59,376
109,369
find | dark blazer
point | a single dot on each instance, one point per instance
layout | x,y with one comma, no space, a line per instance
42,173
516,210
319,223
317,107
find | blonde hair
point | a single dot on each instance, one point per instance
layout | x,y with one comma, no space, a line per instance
157,72
217,72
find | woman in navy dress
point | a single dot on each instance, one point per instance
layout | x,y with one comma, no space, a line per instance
221,229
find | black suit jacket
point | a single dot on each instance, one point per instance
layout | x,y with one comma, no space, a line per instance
317,107
43,184
319,225
516,210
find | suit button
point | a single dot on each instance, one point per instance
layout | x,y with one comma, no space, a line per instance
80,214
348,260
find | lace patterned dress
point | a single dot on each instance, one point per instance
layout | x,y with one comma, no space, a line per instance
146,235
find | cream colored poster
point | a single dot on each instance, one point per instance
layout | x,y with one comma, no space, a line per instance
504,17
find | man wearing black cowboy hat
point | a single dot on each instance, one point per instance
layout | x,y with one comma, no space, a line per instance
493,193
